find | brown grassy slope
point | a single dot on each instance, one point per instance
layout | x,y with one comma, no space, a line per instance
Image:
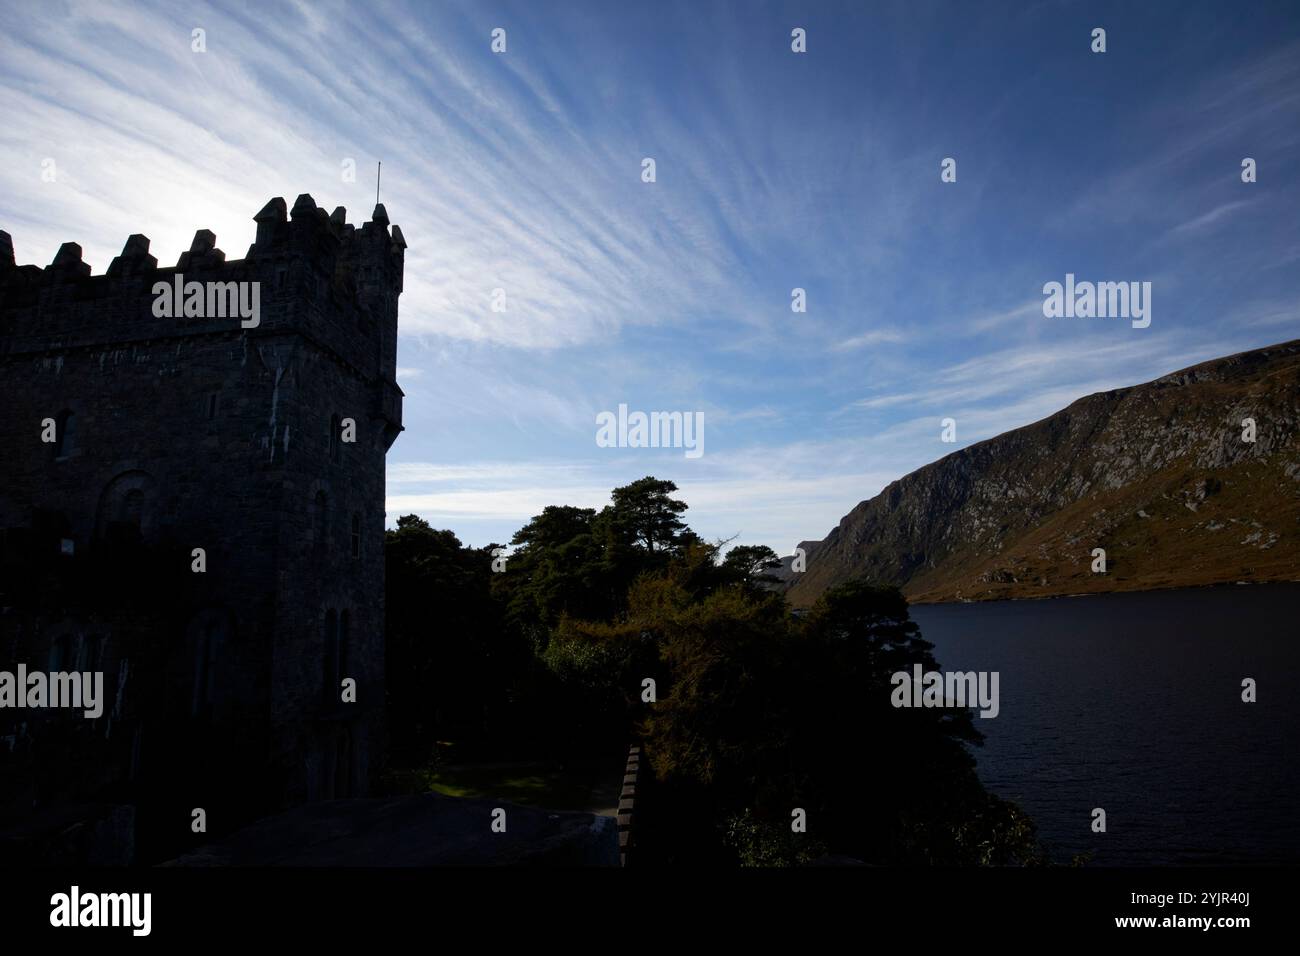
1157,474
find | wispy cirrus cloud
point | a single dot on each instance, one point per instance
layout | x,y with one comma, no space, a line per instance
874,337
1207,220
522,172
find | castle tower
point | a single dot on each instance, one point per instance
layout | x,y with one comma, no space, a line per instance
206,527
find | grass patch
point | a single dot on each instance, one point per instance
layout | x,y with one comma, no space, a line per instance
588,787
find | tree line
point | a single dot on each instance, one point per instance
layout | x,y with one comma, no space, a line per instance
758,713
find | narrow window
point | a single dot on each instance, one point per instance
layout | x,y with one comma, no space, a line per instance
336,435
320,519
200,701
206,651
343,765
94,652
65,434
345,626
214,405
61,656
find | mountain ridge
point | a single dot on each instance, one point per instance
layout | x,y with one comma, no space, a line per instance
1157,474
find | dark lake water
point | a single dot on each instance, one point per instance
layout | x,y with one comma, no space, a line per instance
1132,703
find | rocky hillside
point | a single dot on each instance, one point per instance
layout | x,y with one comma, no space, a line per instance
1156,474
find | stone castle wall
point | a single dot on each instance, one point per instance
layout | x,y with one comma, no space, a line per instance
178,433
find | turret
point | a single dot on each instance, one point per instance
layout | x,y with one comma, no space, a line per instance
375,258
272,215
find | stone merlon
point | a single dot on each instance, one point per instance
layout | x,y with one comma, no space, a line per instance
134,258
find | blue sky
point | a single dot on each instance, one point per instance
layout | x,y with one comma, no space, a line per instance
775,170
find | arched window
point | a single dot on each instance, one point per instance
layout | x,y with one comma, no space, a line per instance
65,434
330,671
126,525
126,510
132,509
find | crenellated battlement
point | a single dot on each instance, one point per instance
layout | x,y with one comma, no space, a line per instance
316,274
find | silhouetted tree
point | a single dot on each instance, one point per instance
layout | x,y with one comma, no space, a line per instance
757,711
